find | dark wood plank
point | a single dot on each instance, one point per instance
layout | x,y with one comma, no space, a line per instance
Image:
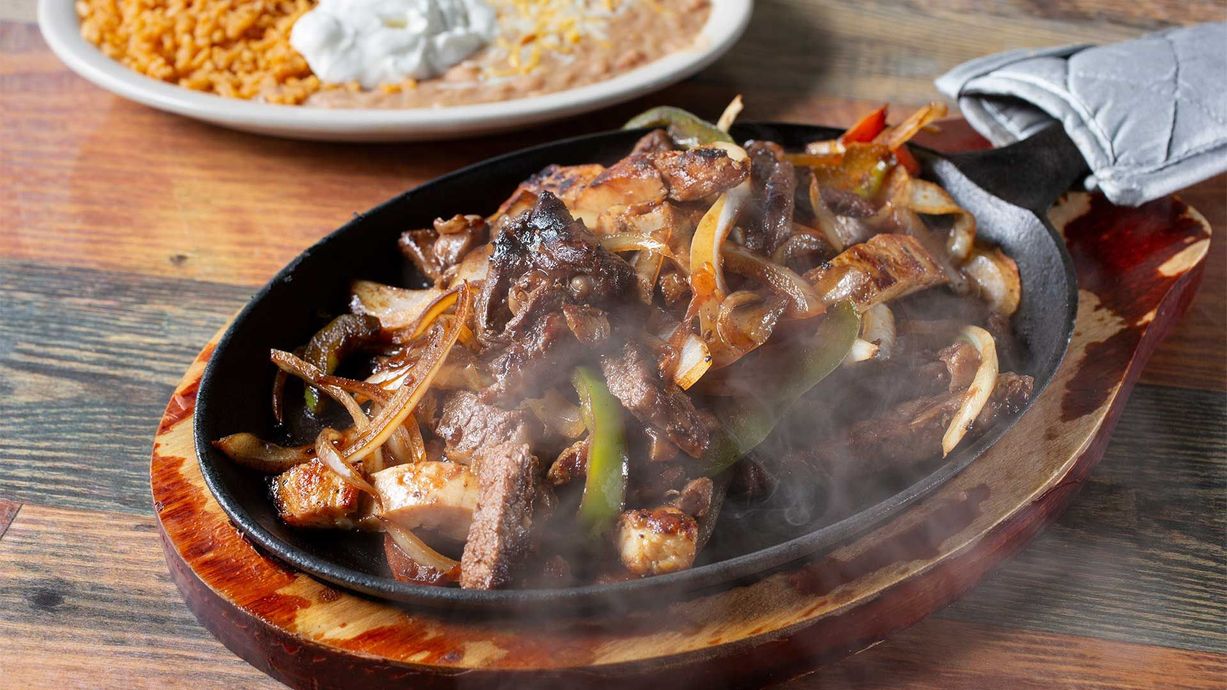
1148,15
87,602
1139,555
947,655
87,363
890,50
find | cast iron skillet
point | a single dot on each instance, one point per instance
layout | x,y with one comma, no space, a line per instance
1011,189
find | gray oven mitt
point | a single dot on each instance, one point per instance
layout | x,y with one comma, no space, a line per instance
1149,115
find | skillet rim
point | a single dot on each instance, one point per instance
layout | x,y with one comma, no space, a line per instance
682,584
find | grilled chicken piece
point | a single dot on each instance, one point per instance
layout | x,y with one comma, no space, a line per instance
500,532
632,181
648,178
699,172
311,495
467,425
653,542
436,496
563,181
884,268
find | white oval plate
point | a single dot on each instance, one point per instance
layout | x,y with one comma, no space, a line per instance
60,27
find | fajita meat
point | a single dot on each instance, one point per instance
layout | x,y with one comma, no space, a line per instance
467,425
883,268
775,184
660,404
498,538
436,250
547,246
310,495
703,348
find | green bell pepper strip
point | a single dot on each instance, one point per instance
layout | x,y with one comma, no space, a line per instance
605,485
799,365
685,128
333,343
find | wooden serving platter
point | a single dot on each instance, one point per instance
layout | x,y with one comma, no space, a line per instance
1137,271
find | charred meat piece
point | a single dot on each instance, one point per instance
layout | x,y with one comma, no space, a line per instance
435,496
774,182
884,268
589,325
311,495
652,542
538,351
543,261
532,364
656,141
571,464
563,181
695,499
549,241
500,533
961,360
846,204
699,172
632,181
912,431
633,379
438,249
467,425
406,569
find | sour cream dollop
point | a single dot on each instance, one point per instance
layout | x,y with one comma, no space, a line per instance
378,42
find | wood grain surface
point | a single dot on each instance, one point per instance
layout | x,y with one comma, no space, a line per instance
127,236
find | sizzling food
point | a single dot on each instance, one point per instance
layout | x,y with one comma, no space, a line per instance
622,354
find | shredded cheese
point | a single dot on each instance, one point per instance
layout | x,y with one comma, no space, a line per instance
533,27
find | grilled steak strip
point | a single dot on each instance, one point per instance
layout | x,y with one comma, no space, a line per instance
634,381
467,425
774,181
499,535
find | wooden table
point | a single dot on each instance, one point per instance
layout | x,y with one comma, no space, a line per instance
128,236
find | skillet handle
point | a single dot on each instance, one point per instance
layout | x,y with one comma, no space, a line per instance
1032,173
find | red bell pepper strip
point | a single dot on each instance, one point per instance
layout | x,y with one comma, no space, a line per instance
905,158
866,128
